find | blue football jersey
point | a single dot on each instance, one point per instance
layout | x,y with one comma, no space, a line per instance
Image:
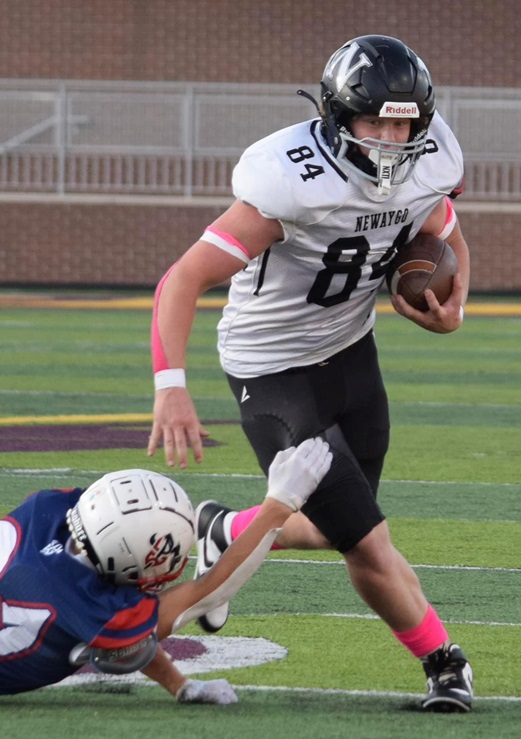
50,601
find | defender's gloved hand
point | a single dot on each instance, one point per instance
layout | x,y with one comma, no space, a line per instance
210,691
295,472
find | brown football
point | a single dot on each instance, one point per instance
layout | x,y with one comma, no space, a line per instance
425,262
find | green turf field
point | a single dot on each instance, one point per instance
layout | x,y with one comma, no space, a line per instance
451,490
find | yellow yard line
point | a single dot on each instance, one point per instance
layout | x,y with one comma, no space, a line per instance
102,418
33,301
499,308
471,309
30,301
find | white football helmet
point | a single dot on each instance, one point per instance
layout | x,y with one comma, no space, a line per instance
137,527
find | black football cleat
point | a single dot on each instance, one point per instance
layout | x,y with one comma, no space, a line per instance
212,542
449,681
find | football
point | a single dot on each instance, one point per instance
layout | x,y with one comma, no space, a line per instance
425,262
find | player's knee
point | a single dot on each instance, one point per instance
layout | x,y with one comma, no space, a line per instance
374,551
300,533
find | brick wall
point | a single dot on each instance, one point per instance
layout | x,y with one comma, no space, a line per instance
495,254
95,244
134,245
472,42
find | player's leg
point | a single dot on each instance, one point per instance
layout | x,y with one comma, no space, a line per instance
268,431
383,577
388,584
343,511
278,411
281,410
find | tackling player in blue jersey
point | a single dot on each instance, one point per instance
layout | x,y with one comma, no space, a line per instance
82,572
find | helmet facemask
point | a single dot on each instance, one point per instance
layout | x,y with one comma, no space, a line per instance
387,163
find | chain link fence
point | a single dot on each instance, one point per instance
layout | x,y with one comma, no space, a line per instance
180,139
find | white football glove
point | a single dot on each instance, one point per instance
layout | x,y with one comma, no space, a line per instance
210,691
295,472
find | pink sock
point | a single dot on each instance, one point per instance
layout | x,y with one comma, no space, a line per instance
426,637
242,520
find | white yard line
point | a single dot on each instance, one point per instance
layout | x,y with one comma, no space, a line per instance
44,472
374,617
368,693
416,566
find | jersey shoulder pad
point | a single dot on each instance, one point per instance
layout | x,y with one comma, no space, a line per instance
286,176
260,180
441,166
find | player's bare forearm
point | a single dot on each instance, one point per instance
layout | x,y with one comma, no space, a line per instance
457,241
293,476
202,267
164,672
435,224
271,517
175,419
187,690
180,598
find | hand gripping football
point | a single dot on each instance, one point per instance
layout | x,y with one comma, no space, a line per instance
425,262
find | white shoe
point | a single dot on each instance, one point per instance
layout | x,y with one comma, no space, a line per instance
213,526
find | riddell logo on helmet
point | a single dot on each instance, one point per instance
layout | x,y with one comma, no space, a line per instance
399,110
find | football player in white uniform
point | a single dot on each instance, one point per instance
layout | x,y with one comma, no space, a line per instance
321,208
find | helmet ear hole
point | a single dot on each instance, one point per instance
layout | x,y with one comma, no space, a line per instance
131,574
419,127
343,118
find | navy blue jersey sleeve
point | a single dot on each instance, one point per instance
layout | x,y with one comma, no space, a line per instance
50,601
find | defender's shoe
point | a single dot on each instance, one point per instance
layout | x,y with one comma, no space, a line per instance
449,680
213,538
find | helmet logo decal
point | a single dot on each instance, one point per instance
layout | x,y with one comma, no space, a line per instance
163,547
399,110
344,69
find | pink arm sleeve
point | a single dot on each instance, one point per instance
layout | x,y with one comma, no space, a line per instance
158,355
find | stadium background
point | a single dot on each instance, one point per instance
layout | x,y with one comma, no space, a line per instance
53,242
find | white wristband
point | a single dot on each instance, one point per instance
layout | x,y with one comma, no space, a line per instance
169,378
461,313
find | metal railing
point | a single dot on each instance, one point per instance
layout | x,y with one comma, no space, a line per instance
182,139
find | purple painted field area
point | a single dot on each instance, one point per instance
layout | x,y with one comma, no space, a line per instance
76,437
178,649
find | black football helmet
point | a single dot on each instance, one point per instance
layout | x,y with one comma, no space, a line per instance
376,75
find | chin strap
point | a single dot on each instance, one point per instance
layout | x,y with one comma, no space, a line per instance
309,96
377,164
385,163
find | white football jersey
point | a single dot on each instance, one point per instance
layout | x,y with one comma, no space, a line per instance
313,294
